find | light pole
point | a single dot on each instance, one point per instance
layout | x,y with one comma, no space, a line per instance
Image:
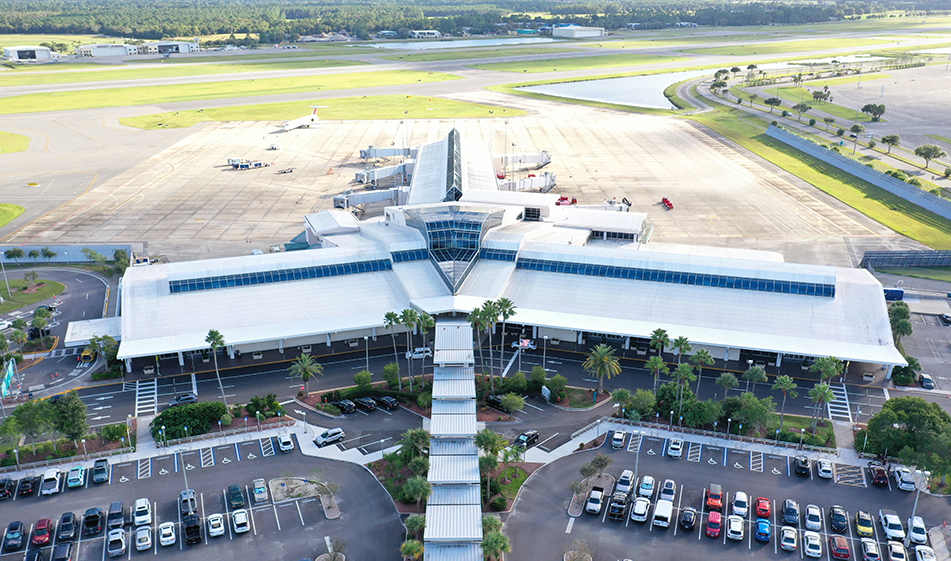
128,420
366,340
186,431
637,455
544,352
85,453
924,476
16,452
219,425
728,421
163,435
9,294
671,418
802,433
257,415
304,415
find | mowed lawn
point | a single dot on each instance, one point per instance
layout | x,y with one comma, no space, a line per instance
10,142
122,97
794,95
433,56
8,212
139,72
686,40
577,63
782,47
339,109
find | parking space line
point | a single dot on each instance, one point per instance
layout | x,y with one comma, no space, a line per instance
774,531
251,514
267,447
694,452
201,500
571,522
756,461
237,451
145,468
207,457
634,444
276,517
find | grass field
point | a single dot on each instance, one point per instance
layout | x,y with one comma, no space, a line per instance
688,40
348,108
247,56
819,44
939,138
139,72
8,212
122,97
878,204
581,63
10,142
19,299
794,95
436,55
938,273
28,39
845,80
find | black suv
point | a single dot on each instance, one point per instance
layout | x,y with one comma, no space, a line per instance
92,521
802,465
63,552
494,400
13,539
235,497
527,438
387,402
346,406
7,487
791,513
192,526
66,529
365,404
100,471
27,486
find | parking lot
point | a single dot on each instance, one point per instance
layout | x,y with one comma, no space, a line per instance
291,529
758,474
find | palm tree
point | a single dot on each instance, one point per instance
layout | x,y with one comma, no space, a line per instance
409,318
494,544
827,367
602,364
682,345
414,443
683,376
305,368
412,549
786,385
656,365
510,455
754,374
820,394
425,322
390,321
216,341
701,357
19,337
488,464
660,340
490,316
506,310
475,321
727,381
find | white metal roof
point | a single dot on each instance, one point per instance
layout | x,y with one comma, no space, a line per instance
453,469
514,198
429,178
487,278
332,221
477,168
420,279
392,235
453,389
78,333
453,372
453,343
452,552
453,407
455,495
453,523
452,426
452,446
592,219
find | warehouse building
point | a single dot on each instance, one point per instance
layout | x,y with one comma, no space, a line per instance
28,54
102,50
577,32
168,47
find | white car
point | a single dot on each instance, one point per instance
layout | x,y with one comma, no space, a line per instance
870,550
617,439
896,551
239,520
734,527
741,504
788,537
259,491
640,509
166,533
676,448
668,490
891,524
142,512
115,542
420,352
813,518
216,525
917,532
143,538
4,324
647,487
904,479
924,553
812,544
824,468
625,483
285,443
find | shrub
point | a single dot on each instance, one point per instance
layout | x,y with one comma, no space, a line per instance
872,144
227,419
198,417
840,132
424,400
914,181
330,409
812,122
110,374
538,379
775,123
500,503
903,376
391,375
494,487
785,113
516,383
112,433
947,172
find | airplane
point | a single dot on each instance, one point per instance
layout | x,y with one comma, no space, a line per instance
303,122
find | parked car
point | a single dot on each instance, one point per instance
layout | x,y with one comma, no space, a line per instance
63,552
688,518
896,551
13,538
27,486
143,538
926,381
524,344
924,553
50,484
676,448
813,518
945,319
259,491
917,532
824,469
216,525
420,352
788,536
714,521
668,490
235,497
285,443
240,521
625,482
812,544
734,527
863,524
646,488
191,525
904,480
93,521
365,404
877,475
142,512
741,504
186,502
838,519
802,465
714,496
115,543
76,477
839,547
115,518
763,530
791,512
617,439
66,529
100,471
166,533
42,531
329,436
891,524
762,507
387,402
346,406
183,399
527,438
870,550
640,509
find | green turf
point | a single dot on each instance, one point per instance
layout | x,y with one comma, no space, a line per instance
818,44
889,210
8,212
31,39
376,107
249,56
675,41
939,138
794,95
122,97
21,299
11,143
580,63
139,72
431,56
821,83
938,273
516,477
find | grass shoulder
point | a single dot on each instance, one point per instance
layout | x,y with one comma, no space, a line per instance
9,213
577,63
433,56
21,295
11,143
934,273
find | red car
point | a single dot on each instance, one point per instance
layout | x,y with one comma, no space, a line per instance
839,546
762,507
42,532
714,523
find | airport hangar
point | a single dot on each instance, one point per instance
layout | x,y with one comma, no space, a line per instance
454,240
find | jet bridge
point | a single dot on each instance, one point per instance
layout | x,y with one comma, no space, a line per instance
372,152
544,182
540,160
374,174
351,198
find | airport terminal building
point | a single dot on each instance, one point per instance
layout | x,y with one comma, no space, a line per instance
575,274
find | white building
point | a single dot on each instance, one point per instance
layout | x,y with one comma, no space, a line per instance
168,47
27,54
577,32
101,50
577,275
425,34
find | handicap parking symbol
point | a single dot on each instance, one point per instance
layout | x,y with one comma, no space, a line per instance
712,462
251,456
189,467
651,452
226,461
163,471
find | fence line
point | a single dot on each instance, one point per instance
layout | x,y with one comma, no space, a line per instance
67,460
219,434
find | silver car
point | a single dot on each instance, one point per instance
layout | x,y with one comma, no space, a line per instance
813,518
259,491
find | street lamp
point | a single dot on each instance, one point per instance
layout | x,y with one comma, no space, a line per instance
16,452
163,435
186,431
257,415
367,341
85,453
128,420
728,421
544,352
219,425
671,418
802,433
637,455
924,476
